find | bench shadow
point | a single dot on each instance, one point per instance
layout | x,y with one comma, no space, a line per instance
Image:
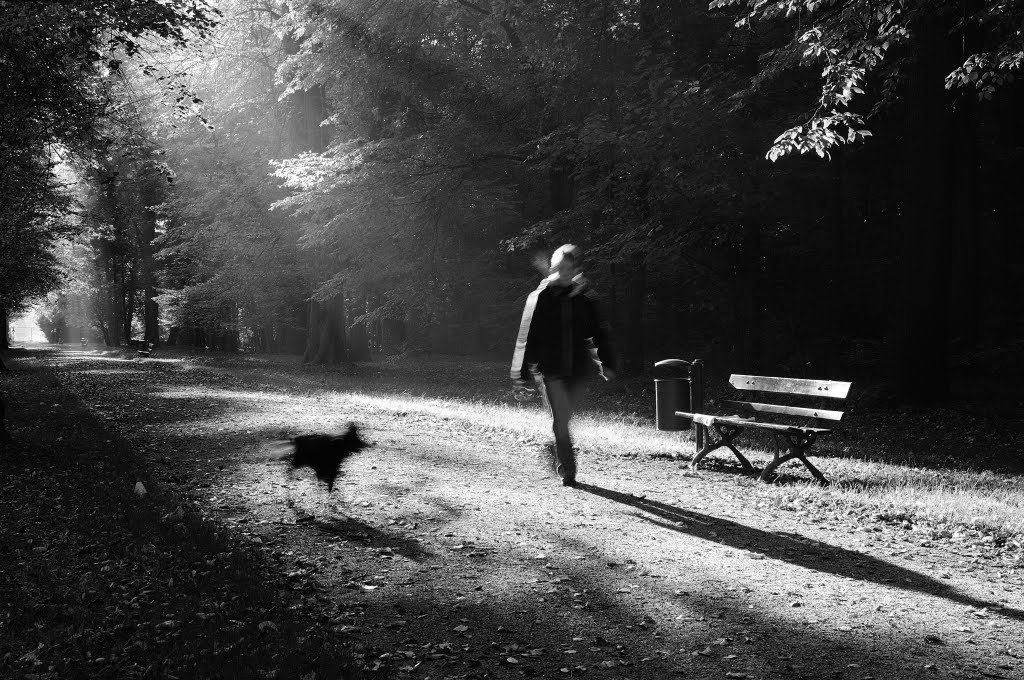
793,472
795,549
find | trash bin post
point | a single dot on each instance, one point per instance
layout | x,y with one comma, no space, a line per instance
697,399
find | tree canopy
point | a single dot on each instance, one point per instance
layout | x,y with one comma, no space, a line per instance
341,177
59,65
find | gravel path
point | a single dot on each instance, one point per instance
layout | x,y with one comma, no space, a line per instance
448,552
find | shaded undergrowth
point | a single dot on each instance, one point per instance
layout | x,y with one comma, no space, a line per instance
102,582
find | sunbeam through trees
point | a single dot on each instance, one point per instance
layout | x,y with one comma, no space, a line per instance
343,178
763,230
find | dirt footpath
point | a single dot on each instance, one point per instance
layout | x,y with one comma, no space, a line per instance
454,553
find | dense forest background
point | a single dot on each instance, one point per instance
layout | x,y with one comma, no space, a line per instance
815,188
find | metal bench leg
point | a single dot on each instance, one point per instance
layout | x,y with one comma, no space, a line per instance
726,433
798,446
699,456
814,471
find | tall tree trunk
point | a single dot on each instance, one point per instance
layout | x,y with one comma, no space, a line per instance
113,311
150,308
359,343
613,297
633,318
561,185
293,336
836,277
325,333
127,312
746,295
268,340
392,334
225,333
920,359
417,331
970,276
359,339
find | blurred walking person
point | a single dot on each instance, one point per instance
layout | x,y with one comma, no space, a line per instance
562,344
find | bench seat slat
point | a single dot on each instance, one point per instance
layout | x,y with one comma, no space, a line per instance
787,410
708,421
818,388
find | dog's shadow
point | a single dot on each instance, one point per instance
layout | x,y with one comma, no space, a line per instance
351,530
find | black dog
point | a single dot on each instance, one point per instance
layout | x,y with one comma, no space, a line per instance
325,453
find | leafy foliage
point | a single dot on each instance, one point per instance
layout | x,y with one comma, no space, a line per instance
229,264
56,64
854,40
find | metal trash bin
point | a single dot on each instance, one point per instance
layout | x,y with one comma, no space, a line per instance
673,393
680,393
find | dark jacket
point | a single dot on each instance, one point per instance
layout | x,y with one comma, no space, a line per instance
561,334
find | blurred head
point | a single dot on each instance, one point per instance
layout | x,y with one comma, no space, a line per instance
565,263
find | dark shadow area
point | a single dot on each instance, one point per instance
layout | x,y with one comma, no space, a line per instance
798,550
102,582
610,634
351,530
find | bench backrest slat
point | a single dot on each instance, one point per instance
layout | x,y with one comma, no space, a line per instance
787,410
817,388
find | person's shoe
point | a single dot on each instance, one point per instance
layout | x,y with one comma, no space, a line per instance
568,479
546,457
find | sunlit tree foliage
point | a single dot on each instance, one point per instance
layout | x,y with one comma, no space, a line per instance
58,60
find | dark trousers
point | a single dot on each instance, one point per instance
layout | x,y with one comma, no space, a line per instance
562,396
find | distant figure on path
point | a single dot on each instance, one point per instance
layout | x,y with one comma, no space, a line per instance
562,343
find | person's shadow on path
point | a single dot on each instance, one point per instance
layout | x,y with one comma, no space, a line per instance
795,549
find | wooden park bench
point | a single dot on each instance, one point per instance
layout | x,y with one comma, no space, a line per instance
147,349
801,426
